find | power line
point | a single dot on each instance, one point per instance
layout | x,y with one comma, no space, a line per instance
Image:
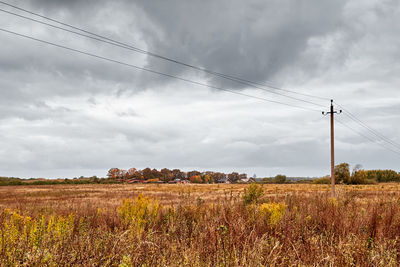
152,71
110,41
125,46
105,39
366,137
374,132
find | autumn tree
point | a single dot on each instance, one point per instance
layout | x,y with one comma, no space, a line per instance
208,179
166,175
155,173
147,174
383,175
178,174
115,173
358,176
219,177
193,173
280,179
138,175
233,177
130,173
196,179
342,173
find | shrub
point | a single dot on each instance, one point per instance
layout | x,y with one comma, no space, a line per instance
253,194
322,180
359,177
273,211
280,179
138,211
297,229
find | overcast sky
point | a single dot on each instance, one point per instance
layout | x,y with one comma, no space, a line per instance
64,114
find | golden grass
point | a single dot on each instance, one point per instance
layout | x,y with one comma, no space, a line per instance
199,225
111,195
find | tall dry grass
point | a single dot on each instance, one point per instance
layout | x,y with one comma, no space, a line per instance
359,228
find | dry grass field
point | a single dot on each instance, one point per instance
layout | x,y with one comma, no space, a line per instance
199,225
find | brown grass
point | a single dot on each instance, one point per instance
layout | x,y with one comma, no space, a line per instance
199,225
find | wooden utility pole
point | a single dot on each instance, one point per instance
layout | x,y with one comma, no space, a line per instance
332,113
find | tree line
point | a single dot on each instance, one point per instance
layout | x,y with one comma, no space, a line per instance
167,175
360,176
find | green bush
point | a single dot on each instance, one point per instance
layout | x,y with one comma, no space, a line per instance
253,194
280,179
323,180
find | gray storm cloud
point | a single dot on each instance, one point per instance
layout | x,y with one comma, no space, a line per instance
254,39
65,114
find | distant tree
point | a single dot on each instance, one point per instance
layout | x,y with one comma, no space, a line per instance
323,180
383,175
94,179
178,174
138,175
357,167
219,177
147,174
342,173
233,177
358,176
114,173
155,173
280,179
267,180
193,173
196,179
166,175
130,173
208,179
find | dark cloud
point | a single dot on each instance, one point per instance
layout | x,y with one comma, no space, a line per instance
252,39
65,114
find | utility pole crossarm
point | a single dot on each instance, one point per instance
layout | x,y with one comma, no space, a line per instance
332,113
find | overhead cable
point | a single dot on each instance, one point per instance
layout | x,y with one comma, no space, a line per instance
371,130
153,71
108,40
366,137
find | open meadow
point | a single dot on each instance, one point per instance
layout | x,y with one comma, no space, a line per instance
200,225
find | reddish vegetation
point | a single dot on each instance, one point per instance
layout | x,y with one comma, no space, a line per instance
200,225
